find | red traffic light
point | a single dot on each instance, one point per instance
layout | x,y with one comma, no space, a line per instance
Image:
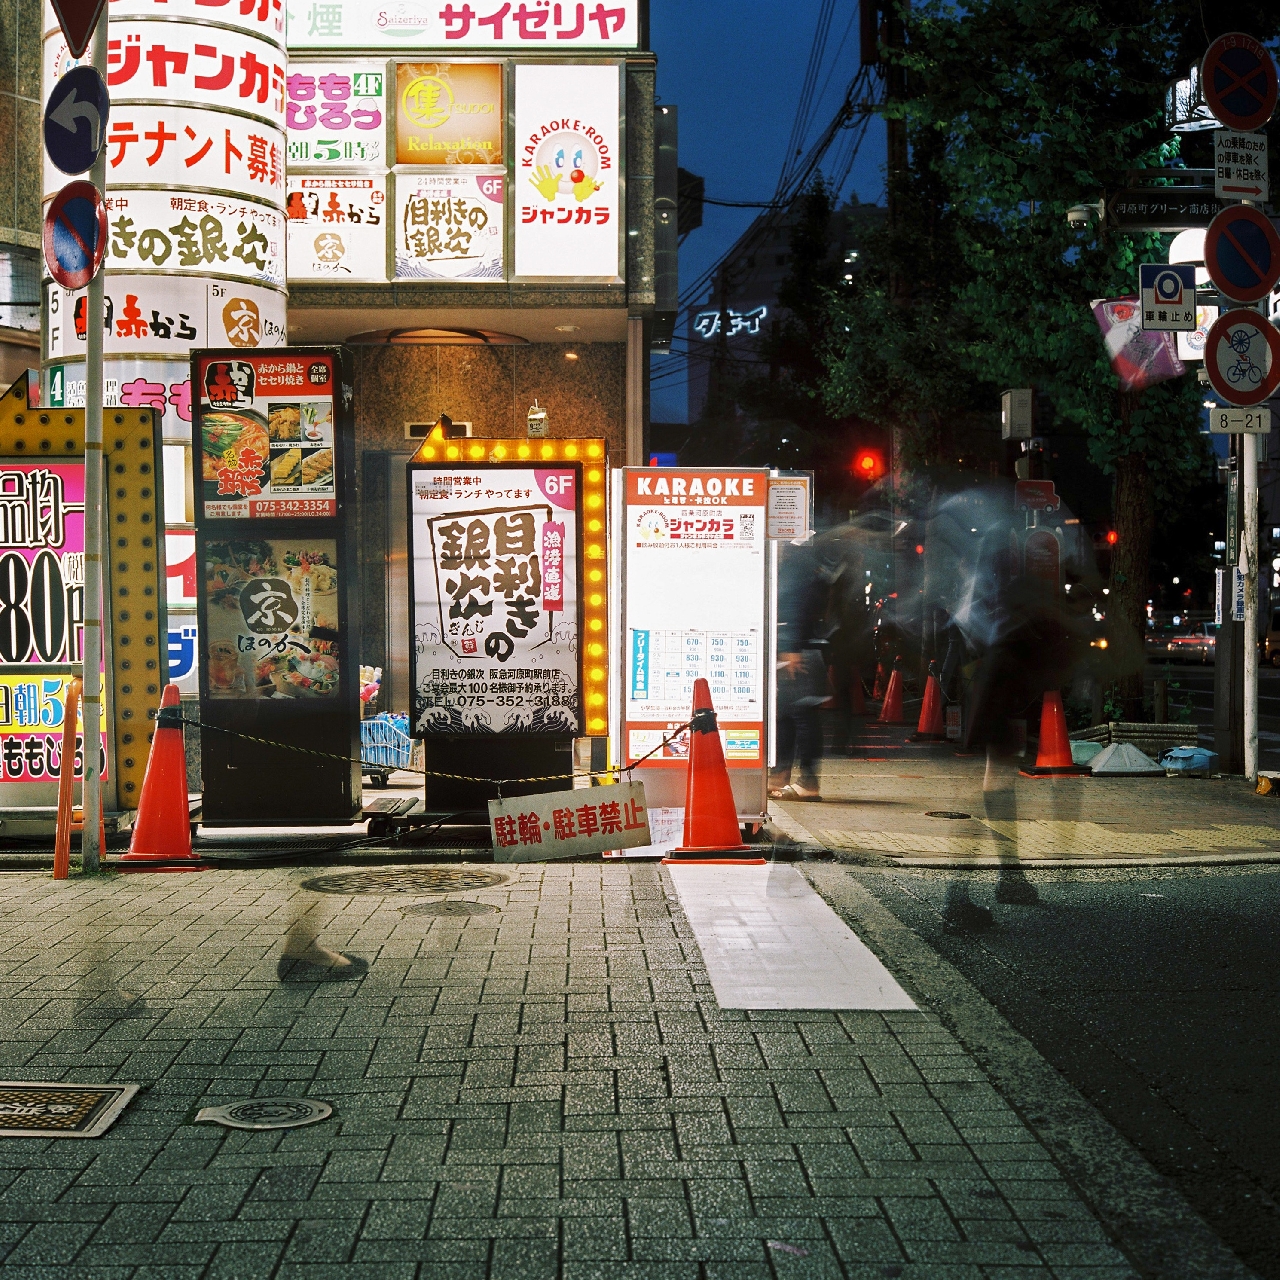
868,464
1112,537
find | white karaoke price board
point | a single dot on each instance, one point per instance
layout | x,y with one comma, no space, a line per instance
695,606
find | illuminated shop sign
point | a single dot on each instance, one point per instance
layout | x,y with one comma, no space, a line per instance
706,324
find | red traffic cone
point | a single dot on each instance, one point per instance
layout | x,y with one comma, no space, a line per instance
711,832
162,833
931,728
1054,754
858,694
891,708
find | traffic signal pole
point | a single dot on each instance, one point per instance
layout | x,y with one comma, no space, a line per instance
91,795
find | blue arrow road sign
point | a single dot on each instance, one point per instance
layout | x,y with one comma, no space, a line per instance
75,235
75,120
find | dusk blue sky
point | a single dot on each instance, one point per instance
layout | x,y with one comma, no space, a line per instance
735,70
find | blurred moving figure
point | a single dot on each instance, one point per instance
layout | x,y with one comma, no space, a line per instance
802,672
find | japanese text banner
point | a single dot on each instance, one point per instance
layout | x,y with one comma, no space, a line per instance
449,226
166,314
568,824
489,24
258,17
337,227
189,147
196,234
336,113
180,62
32,711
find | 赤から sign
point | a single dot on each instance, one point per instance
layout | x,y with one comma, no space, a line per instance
496,553
568,824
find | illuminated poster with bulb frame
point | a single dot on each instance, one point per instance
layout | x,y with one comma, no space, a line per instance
509,588
277,585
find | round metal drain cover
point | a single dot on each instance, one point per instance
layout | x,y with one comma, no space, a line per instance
410,880
450,908
267,1113
946,813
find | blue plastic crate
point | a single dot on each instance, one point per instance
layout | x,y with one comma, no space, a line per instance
385,741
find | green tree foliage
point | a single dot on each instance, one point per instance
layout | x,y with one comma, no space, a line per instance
1016,110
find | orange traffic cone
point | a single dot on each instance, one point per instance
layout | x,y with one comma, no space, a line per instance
931,728
711,832
858,694
1054,754
891,708
162,833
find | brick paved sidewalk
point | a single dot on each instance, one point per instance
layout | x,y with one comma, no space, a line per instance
550,1091
877,811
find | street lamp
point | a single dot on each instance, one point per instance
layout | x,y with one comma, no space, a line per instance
1185,110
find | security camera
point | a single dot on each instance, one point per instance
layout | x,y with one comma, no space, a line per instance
1081,215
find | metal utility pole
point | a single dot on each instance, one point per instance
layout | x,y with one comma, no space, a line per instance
93,492
1249,562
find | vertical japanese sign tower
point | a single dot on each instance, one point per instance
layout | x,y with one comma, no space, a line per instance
273,440
195,209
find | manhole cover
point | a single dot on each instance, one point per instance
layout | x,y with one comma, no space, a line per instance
411,880
60,1110
451,908
946,813
267,1113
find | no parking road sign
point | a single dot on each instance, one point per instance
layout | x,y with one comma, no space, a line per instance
1238,79
75,235
1242,253
1242,357
75,120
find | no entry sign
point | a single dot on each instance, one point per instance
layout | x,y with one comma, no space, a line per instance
1242,357
75,235
1238,77
1242,253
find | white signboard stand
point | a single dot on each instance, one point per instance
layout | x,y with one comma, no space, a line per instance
695,566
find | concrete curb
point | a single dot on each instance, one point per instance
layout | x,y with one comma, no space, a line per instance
1148,1219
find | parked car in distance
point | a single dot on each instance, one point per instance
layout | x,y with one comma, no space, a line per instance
1194,643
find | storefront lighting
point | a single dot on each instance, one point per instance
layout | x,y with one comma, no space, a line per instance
595,605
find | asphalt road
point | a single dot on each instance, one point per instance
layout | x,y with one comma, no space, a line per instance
1156,994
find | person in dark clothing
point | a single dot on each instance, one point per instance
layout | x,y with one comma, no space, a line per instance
801,673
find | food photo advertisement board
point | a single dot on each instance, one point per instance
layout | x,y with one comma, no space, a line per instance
277,587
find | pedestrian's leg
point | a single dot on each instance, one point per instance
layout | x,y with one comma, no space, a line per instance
780,774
